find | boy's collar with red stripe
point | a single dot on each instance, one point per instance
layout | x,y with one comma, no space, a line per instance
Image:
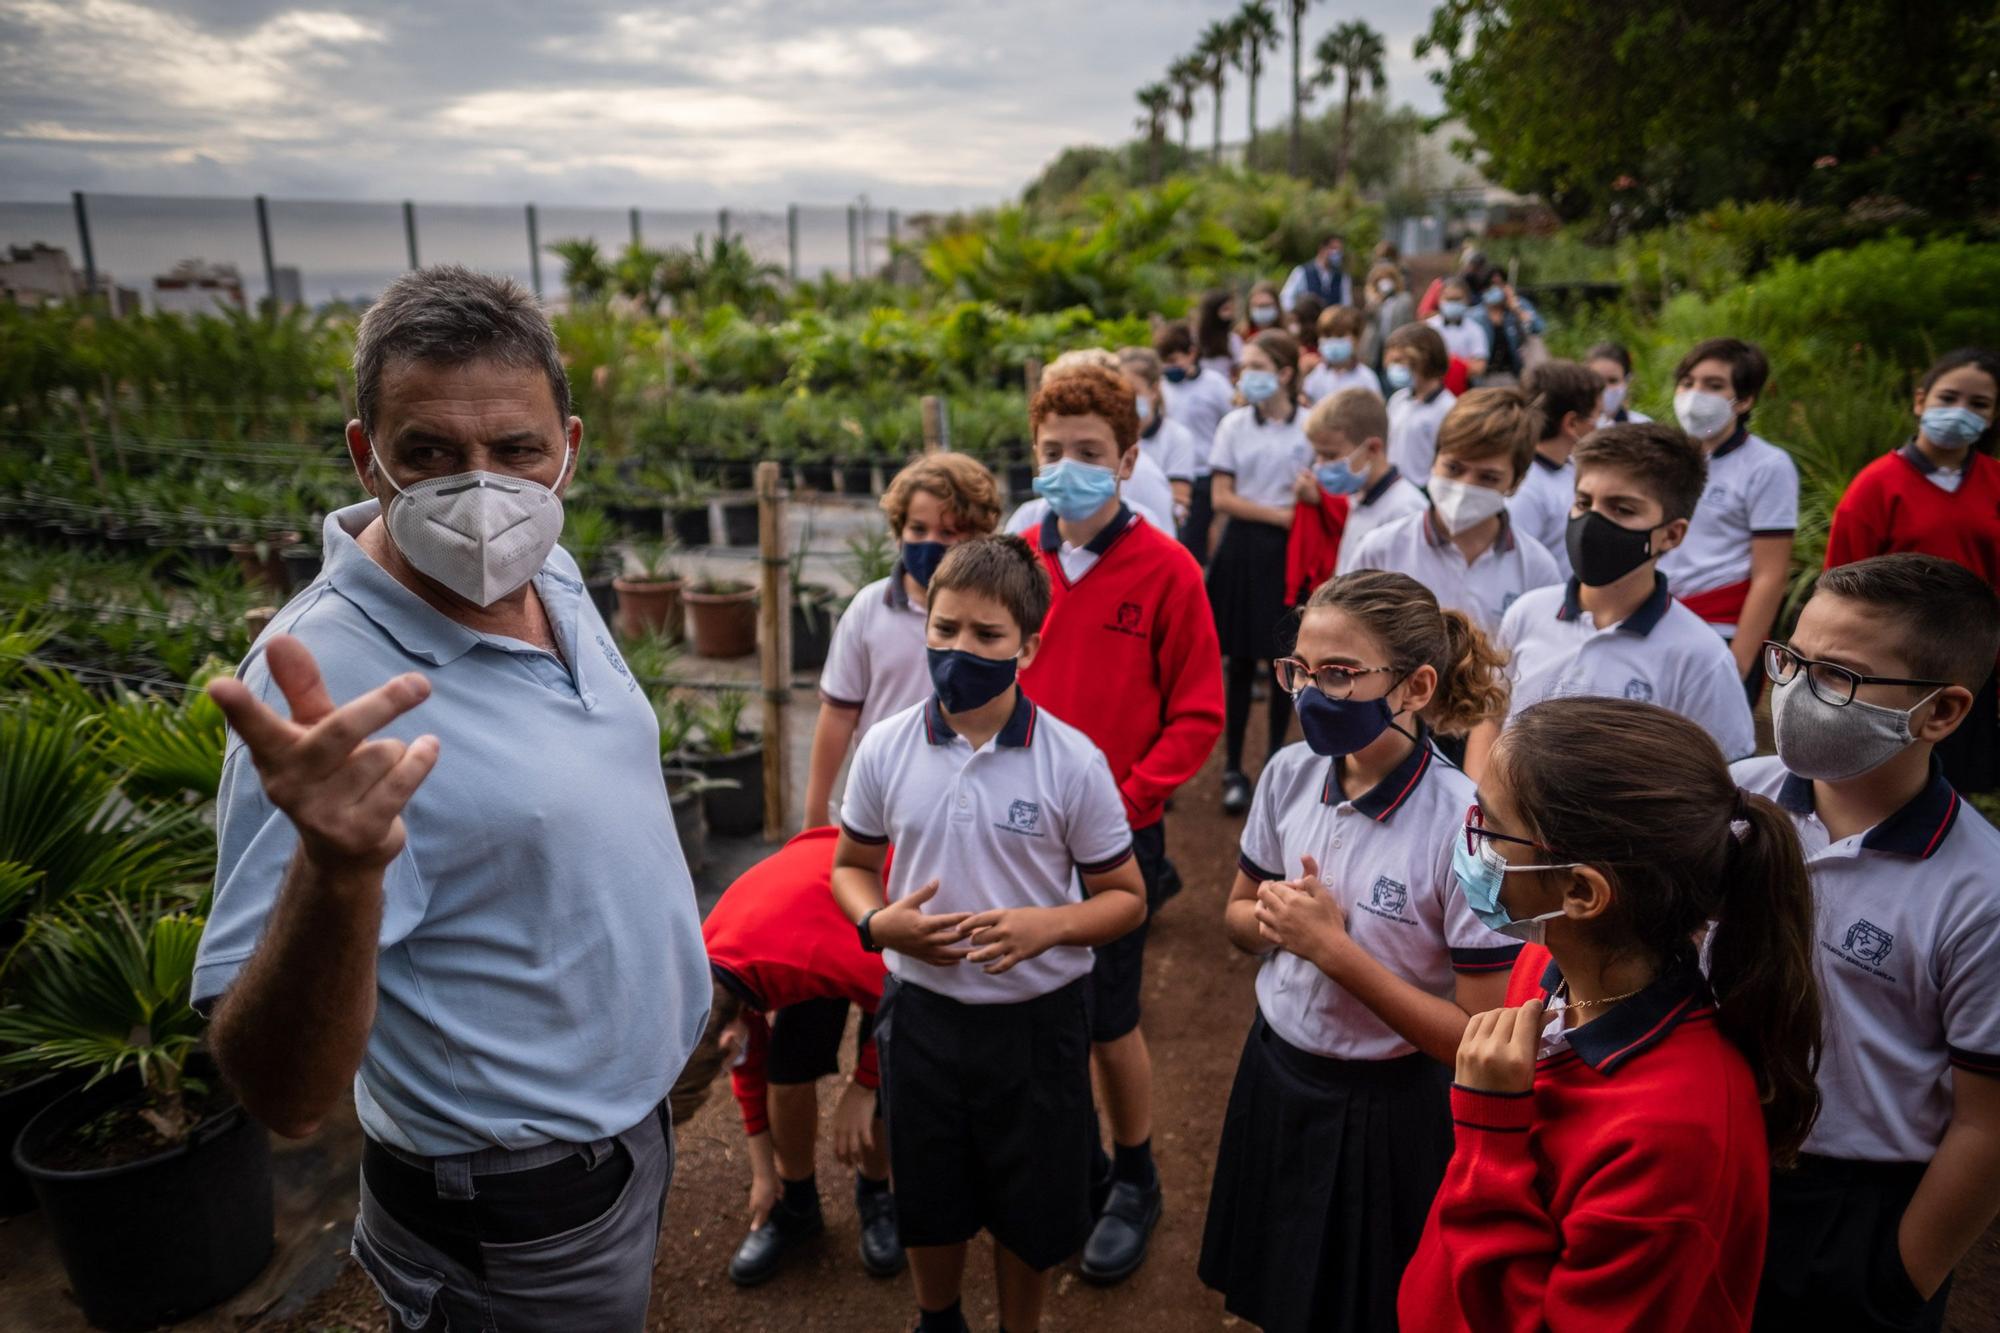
1387,796
1052,534
1638,1024
1917,830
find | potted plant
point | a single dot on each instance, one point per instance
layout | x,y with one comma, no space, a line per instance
263,562
684,785
685,497
734,765
649,602
739,520
592,538
814,608
155,1182
722,618
857,475
301,564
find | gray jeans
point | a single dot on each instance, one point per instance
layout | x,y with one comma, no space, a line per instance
596,1276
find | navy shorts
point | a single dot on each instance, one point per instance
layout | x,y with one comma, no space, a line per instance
805,1040
1119,972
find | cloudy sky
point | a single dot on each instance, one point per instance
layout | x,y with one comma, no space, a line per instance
918,103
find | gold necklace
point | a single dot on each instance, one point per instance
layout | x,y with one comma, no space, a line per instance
1602,999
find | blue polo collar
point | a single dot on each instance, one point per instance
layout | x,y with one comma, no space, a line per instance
419,629
1636,1025
1381,488
1732,444
1641,622
1018,734
1098,545
1546,465
1917,830
1387,796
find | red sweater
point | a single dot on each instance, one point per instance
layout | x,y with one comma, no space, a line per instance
1129,658
1629,1190
1313,548
777,937
1892,506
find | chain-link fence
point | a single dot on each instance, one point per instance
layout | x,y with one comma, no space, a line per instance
158,252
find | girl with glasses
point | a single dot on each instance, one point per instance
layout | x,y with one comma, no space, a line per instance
1338,1125
1617,1121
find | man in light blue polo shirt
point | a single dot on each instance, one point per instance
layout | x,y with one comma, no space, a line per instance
448,870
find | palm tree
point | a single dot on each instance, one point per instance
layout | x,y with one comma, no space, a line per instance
1158,101
1296,11
1186,75
1355,51
1217,50
1256,32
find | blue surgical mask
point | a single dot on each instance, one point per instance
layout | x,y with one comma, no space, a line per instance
1397,374
1340,726
1452,310
920,560
1952,427
1176,374
965,680
1336,351
1263,316
1493,296
1480,878
1258,385
1076,490
1145,406
1338,478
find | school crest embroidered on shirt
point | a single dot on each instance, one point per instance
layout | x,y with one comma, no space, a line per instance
1024,817
1126,620
1867,942
617,663
1640,690
1388,898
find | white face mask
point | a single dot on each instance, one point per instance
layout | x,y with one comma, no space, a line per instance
1703,415
1614,398
1462,505
480,534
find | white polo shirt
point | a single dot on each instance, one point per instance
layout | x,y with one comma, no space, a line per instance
1907,947
1624,416
1753,491
1003,826
1413,430
1172,448
1465,340
1324,381
1389,499
1483,588
1262,457
876,662
1200,404
1541,507
1386,858
1661,654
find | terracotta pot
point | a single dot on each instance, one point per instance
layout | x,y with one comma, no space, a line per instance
648,606
722,624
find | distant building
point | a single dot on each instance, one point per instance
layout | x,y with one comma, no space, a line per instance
39,275
197,287
287,287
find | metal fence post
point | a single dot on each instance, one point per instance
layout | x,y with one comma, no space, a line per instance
410,230
853,242
270,263
83,238
792,240
635,226
722,225
534,252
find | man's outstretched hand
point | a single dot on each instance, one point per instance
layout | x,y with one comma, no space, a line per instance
343,792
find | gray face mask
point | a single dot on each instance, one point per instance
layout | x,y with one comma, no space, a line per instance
1827,744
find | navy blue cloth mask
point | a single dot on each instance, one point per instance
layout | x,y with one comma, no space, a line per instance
965,680
1340,726
920,560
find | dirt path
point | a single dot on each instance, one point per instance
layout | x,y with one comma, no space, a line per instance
1198,1006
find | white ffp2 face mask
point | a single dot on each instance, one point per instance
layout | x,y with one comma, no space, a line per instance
1461,505
480,534
1703,415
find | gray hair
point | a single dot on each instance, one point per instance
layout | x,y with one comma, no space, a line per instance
447,315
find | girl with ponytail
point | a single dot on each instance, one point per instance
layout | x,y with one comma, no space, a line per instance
1338,1127
1616,1123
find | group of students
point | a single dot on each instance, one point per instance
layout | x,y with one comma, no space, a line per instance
1570,1012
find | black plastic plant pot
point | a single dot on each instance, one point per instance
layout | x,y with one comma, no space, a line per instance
689,524
604,597
302,565
686,803
739,522
738,811
642,521
737,474
857,476
1020,478
816,474
812,635
18,1105
153,1241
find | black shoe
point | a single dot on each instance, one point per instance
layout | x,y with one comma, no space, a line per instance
1235,793
1117,1244
881,1251
762,1252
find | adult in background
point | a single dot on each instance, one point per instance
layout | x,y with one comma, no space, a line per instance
1389,307
1322,275
1512,326
448,870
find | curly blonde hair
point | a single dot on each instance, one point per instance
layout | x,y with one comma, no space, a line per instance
970,495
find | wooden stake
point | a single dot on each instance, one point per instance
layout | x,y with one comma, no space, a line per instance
775,640
89,445
111,420
933,423
1032,372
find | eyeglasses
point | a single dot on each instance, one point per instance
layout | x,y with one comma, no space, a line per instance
1335,682
1832,685
1475,829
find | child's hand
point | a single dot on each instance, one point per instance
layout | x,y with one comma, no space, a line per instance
905,927
1497,1052
1305,489
1013,935
854,1124
1300,916
764,1190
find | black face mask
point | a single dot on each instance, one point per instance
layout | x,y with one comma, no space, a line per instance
1602,552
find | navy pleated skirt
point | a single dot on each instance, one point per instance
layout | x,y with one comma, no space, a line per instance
1246,590
1324,1178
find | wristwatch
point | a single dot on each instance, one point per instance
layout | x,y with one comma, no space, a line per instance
868,936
